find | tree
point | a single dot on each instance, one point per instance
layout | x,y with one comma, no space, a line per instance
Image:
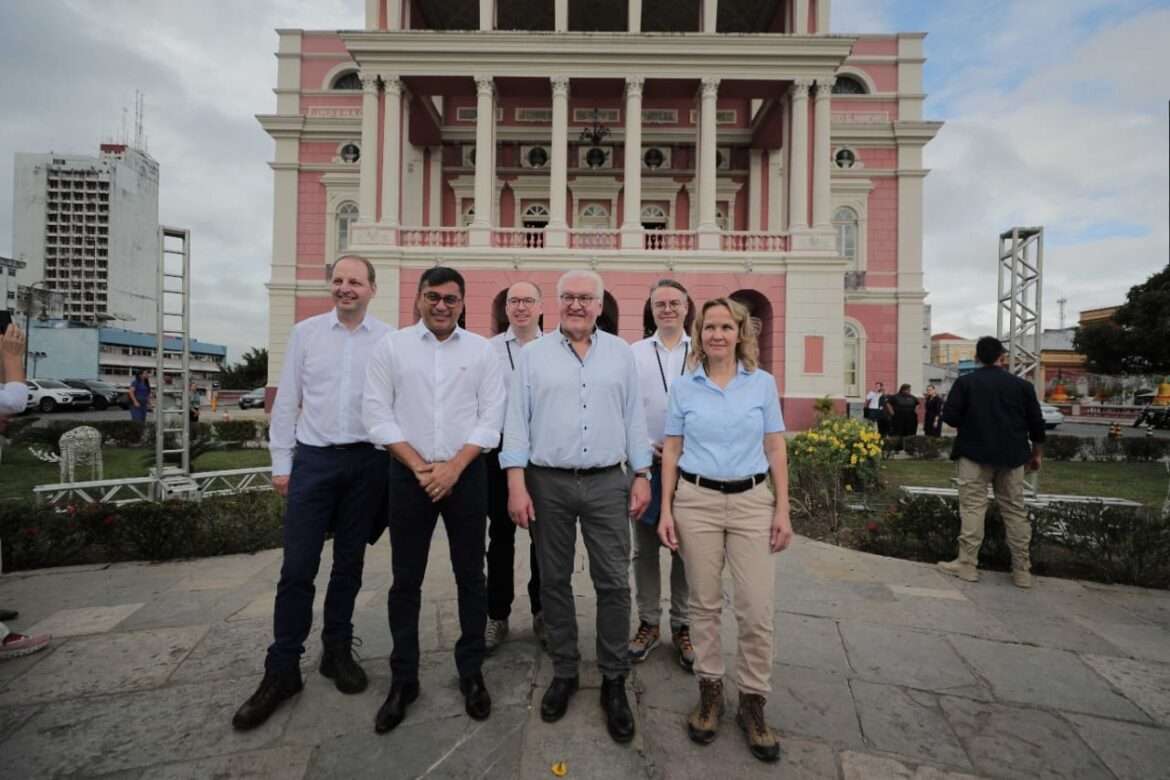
250,372
1137,339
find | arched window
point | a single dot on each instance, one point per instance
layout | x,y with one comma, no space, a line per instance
845,222
535,216
653,217
347,80
848,85
851,358
347,214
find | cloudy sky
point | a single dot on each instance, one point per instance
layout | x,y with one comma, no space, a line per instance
1055,115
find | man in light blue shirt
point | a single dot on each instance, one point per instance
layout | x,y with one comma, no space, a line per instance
575,418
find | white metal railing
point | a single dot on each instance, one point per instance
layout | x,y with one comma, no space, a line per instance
432,236
518,238
753,241
599,238
135,489
670,240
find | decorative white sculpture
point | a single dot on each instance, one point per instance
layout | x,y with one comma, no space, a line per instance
81,446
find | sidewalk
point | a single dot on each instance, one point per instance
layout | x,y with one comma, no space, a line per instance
883,669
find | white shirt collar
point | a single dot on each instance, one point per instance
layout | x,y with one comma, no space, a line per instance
424,332
510,334
657,339
335,321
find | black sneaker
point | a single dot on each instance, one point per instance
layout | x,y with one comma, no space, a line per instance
339,663
274,689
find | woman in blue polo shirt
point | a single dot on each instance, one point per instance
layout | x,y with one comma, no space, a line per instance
724,434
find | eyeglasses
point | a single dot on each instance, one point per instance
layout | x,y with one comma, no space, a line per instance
672,305
569,299
433,299
529,302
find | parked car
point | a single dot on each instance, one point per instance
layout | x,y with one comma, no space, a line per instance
50,395
105,395
252,399
1052,416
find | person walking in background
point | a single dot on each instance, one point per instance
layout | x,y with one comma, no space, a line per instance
932,404
574,438
334,480
901,408
139,394
1001,433
661,360
874,402
724,435
523,307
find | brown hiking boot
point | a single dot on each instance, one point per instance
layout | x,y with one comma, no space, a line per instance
960,569
703,723
643,642
686,650
750,717
1022,578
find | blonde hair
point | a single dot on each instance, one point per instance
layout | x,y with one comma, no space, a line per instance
747,346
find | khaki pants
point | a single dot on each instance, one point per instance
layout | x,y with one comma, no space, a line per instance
713,529
974,479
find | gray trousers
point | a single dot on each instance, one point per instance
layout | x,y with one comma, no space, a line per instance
601,502
648,579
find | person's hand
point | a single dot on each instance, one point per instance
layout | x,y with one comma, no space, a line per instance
1035,461
639,497
12,343
440,480
781,529
666,533
280,485
520,507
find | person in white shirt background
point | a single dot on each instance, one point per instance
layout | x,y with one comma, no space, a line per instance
13,399
523,307
435,399
334,480
661,358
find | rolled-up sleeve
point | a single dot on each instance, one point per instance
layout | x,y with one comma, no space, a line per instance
378,397
491,400
637,439
773,419
517,440
282,430
13,397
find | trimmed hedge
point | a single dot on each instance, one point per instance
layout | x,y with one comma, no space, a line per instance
1057,446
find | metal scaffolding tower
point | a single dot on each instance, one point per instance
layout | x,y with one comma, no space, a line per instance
172,443
1021,283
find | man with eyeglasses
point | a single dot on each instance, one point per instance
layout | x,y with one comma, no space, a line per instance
575,447
522,305
435,399
660,359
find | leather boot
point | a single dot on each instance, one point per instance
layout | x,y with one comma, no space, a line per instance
338,663
476,699
619,720
274,689
556,699
750,717
393,710
703,723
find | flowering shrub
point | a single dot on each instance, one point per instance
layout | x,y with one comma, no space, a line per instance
838,457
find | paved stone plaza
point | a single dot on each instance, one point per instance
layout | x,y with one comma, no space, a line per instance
884,669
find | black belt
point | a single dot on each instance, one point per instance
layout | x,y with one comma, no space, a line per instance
733,486
353,445
577,472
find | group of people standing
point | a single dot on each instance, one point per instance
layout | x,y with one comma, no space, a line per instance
674,442
897,414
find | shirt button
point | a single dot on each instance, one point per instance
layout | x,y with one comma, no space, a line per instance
586,449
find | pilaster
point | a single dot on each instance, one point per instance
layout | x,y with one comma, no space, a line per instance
556,233
368,166
631,237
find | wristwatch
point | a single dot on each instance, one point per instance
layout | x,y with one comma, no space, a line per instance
644,474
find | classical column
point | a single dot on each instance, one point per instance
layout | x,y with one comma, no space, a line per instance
822,189
632,217
823,7
391,149
710,14
756,190
485,174
798,156
555,235
487,14
801,25
368,167
634,8
708,100
561,16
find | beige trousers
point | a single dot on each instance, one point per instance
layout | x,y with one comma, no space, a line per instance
714,529
974,480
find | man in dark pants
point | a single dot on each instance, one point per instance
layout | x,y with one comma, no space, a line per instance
1001,433
435,399
576,449
336,481
523,307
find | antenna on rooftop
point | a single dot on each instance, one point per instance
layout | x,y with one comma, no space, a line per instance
139,107
1061,301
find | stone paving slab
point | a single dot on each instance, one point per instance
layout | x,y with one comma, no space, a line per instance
867,766
1145,684
1128,749
809,641
1147,642
283,763
903,656
84,620
909,723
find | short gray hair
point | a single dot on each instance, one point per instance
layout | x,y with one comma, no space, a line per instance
581,273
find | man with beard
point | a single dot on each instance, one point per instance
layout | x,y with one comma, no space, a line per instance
334,480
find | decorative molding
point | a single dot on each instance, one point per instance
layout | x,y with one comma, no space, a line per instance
634,86
560,86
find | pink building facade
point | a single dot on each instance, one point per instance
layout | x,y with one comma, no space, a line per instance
736,147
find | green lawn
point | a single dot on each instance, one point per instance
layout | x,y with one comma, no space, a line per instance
20,470
1144,482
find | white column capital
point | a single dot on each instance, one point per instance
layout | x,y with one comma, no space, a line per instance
825,86
560,86
800,87
392,84
369,82
709,88
634,86
485,86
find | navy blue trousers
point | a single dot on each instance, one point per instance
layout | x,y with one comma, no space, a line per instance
338,490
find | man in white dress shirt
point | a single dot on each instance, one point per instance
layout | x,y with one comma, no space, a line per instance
334,479
523,307
435,399
660,358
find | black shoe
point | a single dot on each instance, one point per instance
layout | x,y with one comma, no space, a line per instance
556,698
393,710
274,688
339,663
476,699
619,720
8,614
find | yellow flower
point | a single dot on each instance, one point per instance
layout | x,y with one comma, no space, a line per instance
852,460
